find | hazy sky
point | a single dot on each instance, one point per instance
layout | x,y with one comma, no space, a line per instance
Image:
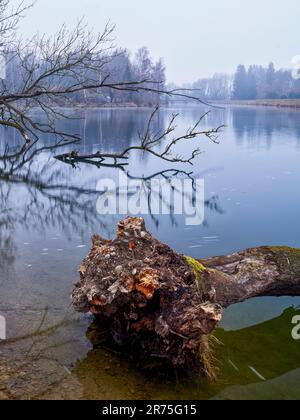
196,37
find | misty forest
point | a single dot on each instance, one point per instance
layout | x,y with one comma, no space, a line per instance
168,211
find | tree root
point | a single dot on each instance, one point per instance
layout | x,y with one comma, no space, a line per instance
156,303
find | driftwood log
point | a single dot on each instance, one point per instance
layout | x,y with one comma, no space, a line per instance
156,303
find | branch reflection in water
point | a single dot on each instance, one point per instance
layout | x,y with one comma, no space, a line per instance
39,196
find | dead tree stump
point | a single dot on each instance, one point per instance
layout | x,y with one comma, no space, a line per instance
157,303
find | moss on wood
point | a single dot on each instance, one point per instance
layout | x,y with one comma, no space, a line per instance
197,267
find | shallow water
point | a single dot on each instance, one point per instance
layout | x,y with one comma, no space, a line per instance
48,214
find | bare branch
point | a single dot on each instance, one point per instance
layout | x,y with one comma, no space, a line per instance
9,18
49,73
150,141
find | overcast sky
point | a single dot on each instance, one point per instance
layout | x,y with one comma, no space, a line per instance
196,37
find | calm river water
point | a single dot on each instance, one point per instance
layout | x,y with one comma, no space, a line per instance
48,214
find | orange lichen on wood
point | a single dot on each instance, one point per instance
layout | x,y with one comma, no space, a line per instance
148,282
132,246
104,250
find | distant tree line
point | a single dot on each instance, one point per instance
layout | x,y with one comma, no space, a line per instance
258,82
119,66
255,82
218,87
141,67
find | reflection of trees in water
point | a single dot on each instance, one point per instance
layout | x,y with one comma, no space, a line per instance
38,193
111,130
257,125
48,204
7,247
7,251
51,203
215,118
168,176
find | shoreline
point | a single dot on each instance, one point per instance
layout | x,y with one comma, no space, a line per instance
261,103
266,103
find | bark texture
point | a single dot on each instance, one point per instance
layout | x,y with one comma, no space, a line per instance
156,303
264,271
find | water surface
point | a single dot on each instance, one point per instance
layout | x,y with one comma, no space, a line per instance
48,214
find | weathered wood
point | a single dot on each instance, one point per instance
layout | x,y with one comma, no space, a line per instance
264,271
157,303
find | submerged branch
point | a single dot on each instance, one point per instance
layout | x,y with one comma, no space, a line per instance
151,141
